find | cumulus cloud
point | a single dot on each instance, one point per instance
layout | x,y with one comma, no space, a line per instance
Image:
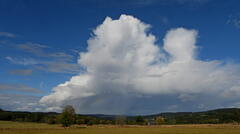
125,70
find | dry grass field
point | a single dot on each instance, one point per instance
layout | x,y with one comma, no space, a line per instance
7,127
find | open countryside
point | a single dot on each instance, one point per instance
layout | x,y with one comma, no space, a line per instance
220,121
119,66
7,127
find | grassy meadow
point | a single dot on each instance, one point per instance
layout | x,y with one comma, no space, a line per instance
7,127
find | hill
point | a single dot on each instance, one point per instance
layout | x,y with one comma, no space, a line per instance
227,115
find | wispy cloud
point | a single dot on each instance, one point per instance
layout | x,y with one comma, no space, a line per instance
22,61
18,87
19,102
34,48
45,65
40,51
44,58
59,67
236,23
20,97
21,72
6,34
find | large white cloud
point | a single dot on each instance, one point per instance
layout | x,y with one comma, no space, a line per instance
124,66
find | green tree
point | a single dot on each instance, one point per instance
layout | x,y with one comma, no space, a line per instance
140,120
67,117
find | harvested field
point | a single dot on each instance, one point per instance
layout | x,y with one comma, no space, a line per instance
7,127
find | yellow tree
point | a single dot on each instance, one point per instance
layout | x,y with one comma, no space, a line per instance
160,120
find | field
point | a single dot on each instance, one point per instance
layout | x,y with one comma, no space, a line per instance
7,127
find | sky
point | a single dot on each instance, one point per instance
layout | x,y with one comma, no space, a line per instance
119,56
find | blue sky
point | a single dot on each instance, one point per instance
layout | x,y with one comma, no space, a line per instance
40,42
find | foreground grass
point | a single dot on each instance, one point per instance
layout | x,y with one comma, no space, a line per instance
38,128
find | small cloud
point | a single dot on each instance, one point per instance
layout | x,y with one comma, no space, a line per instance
21,72
185,97
172,108
236,23
6,34
201,106
51,109
75,51
234,19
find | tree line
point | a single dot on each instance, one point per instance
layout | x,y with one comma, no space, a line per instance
69,117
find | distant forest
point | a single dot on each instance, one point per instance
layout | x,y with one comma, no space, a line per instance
229,115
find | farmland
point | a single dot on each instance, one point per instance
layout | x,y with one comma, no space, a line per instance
8,127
